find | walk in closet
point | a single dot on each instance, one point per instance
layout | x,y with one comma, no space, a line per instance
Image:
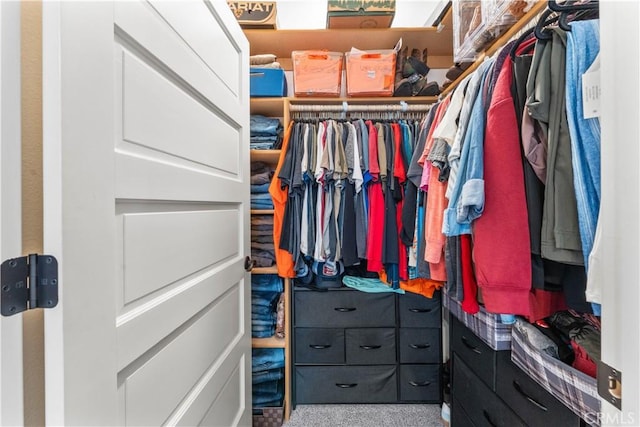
466,255
493,373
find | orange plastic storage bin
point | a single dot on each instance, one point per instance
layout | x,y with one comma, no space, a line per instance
371,72
316,73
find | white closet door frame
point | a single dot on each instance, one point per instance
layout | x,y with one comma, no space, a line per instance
619,209
11,385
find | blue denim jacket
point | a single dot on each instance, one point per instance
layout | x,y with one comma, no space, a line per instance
466,201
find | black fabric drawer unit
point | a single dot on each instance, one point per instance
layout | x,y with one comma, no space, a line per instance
346,384
478,355
459,418
478,401
420,382
418,311
419,345
373,346
319,345
530,401
341,309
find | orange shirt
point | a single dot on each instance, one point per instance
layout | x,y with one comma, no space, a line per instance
284,260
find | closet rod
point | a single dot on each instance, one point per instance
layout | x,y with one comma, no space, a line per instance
346,107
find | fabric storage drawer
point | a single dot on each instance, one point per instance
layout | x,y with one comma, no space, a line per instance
267,82
487,326
478,401
474,352
530,401
420,382
573,388
419,345
345,384
459,417
374,346
319,345
418,311
344,308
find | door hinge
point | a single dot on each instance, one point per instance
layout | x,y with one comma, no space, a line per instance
610,384
28,282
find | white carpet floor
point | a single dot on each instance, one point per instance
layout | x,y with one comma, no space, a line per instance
365,416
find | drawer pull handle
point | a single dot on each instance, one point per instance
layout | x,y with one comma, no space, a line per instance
319,346
467,344
370,347
345,309
421,384
488,418
419,346
534,402
346,385
421,310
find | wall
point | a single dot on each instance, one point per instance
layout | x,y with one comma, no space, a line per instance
33,324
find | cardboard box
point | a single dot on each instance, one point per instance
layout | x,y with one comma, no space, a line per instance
254,14
371,72
266,82
316,73
360,13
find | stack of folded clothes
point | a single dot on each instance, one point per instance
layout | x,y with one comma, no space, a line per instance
261,175
266,133
266,290
262,248
267,367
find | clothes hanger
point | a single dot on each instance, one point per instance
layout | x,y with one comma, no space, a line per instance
539,29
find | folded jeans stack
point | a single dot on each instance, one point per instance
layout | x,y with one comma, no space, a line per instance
266,133
265,294
267,368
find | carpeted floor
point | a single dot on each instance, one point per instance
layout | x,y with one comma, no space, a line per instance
365,416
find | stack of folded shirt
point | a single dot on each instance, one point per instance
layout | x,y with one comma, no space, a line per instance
265,294
266,133
264,60
261,175
267,368
262,248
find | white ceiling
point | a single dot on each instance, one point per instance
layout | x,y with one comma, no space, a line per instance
312,14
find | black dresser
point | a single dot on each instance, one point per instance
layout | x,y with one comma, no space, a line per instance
488,389
357,347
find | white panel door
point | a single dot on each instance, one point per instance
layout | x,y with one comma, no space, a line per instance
11,394
620,204
146,116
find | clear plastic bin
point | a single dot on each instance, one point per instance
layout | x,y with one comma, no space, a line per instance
316,73
477,23
371,72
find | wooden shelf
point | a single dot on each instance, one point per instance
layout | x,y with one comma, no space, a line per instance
499,43
271,342
267,156
281,43
270,107
265,270
261,211
370,100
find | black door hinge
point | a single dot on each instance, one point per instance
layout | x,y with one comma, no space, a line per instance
28,282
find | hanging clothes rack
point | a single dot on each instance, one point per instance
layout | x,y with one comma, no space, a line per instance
402,110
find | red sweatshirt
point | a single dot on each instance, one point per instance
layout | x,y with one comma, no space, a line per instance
502,251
